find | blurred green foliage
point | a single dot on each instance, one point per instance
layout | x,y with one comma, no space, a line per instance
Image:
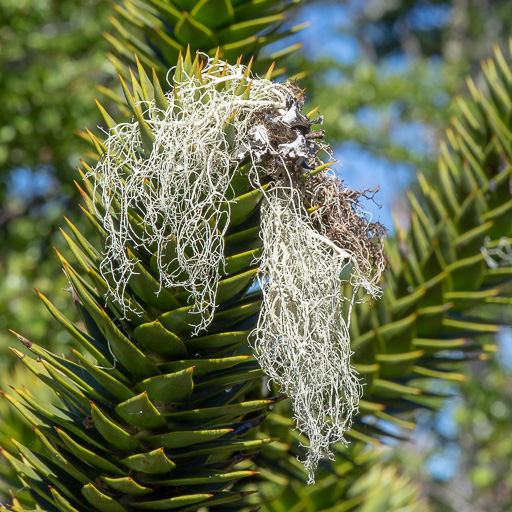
390,100
52,51
484,419
459,31
52,54
13,424
480,421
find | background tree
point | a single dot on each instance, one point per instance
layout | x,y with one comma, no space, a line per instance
52,55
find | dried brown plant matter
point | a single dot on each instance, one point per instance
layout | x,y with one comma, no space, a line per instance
289,155
342,219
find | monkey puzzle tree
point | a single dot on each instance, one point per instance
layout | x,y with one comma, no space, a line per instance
213,182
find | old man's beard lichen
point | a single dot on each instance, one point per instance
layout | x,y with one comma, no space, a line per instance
180,191
302,339
173,200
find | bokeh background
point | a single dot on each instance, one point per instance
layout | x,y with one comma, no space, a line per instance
386,74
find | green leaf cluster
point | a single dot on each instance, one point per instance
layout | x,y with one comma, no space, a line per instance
157,31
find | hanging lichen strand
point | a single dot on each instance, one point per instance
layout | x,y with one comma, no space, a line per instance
319,248
179,186
302,338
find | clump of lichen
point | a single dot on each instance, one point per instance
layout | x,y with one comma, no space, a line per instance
319,247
